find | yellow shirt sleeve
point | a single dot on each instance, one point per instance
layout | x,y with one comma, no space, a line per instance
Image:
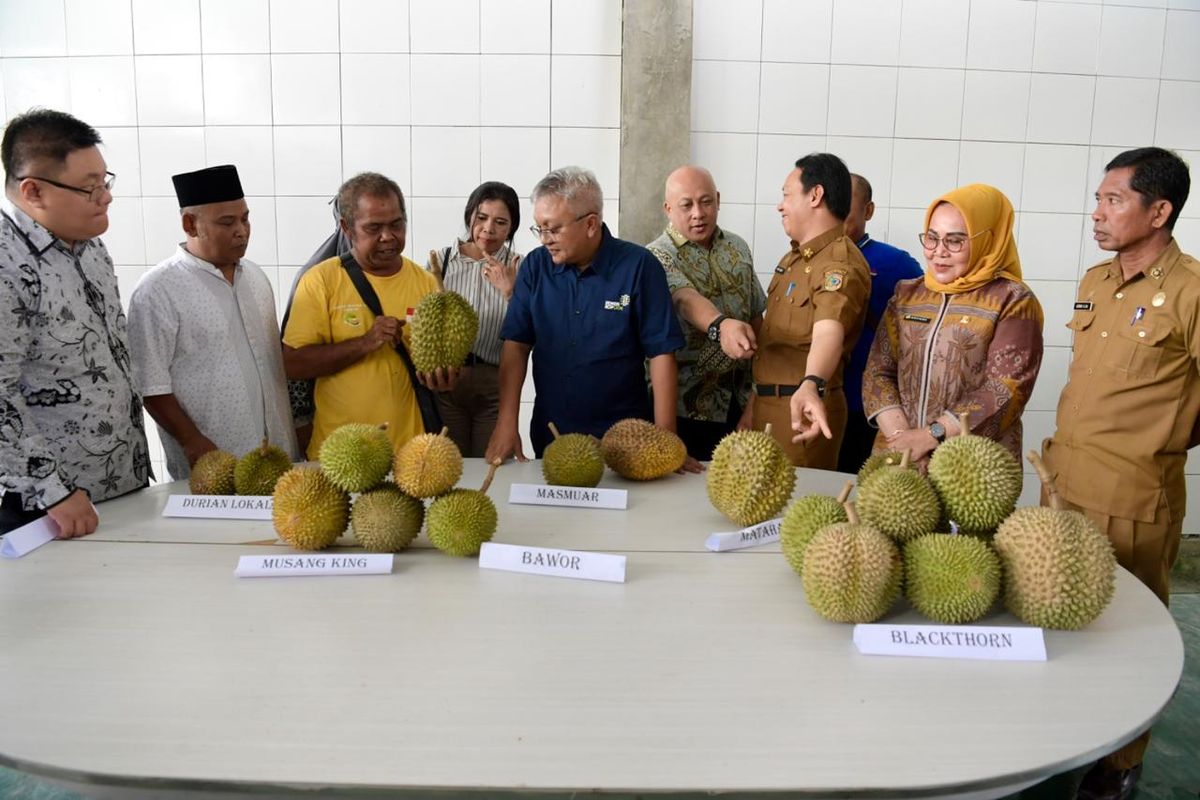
308,321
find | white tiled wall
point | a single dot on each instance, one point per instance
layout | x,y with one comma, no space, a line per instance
1032,96
301,94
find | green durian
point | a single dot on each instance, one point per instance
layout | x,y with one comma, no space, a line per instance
257,471
899,502
357,456
951,578
977,480
750,478
444,327
309,511
385,519
852,572
806,517
461,520
213,473
572,459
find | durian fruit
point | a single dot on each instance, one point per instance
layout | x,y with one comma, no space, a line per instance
750,478
1059,567
852,571
977,480
805,518
899,502
444,327
257,471
213,473
888,458
951,578
572,459
357,456
460,521
310,513
385,519
640,451
428,465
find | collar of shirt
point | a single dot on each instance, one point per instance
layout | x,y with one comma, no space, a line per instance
679,240
861,243
200,265
1157,271
820,242
599,261
38,236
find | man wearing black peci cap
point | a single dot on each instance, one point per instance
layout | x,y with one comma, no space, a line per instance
204,335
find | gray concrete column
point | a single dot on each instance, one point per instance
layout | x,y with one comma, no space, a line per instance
656,109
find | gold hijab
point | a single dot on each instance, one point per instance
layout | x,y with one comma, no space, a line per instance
989,217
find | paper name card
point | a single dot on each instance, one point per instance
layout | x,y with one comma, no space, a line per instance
951,641
219,506
555,563
762,533
29,537
288,566
574,496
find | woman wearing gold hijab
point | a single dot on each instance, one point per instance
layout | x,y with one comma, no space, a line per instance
965,339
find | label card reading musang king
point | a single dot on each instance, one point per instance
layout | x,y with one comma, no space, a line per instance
556,563
296,565
572,496
762,533
219,506
982,642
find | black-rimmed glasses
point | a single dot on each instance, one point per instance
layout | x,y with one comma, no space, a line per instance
954,241
93,193
553,233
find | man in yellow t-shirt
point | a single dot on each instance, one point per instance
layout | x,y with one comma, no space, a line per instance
333,337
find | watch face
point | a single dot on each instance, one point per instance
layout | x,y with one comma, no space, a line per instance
714,333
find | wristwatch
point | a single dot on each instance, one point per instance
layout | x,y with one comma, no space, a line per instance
714,328
818,381
938,431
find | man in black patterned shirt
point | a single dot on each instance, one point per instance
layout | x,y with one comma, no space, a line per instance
71,425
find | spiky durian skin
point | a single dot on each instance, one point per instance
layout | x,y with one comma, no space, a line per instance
750,478
573,459
427,465
459,522
309,512
977,480
1059,568
444,327
803,520
637,450
899,502
257,471
888,458
385,519
851,573
213,473
951,579
356,456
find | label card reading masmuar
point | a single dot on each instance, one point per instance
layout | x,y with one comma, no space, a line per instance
295,565
762,533
219,506
573,496
988,643
556,563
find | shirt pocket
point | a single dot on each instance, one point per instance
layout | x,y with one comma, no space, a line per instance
792,317
1137,350
1081,321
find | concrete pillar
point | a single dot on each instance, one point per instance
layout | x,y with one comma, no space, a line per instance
656,109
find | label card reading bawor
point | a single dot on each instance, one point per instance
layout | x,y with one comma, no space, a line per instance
556,563
762,533
988,643
573,496
219,506
299,564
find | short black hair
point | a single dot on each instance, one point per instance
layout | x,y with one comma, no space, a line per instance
865,184
494,190
366,183
830,172
42,134
1158,174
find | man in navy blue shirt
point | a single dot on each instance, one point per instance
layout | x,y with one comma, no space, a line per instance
592,309
889,265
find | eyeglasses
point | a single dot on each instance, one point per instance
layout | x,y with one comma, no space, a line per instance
556,231
93,193
954,241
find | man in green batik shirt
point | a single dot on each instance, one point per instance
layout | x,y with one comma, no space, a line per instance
720,303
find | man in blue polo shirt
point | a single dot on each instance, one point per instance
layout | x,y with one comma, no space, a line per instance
889,265
592,309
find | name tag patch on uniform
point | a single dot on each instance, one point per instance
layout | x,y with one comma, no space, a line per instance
917,318
779,270
834,280
1083,305
617,305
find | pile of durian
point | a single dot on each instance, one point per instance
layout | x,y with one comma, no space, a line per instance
255,473
312,504
633,448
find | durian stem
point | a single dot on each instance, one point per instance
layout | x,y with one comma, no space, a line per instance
851,512
383,426
964,426
844,495
487,482
767,429
553,429
1043,473
904,458
445,430
265,446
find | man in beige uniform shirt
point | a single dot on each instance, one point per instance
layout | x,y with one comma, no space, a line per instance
1131,406
815,309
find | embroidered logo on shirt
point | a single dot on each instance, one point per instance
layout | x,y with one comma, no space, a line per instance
917,318
624,300
613,305
1083,305
834,280
351,317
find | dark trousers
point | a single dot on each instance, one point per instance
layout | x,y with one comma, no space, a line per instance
857,443
702,437
12,516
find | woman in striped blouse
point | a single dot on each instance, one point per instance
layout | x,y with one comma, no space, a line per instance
482,266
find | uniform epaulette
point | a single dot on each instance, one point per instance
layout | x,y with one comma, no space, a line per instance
1190,264
1105,264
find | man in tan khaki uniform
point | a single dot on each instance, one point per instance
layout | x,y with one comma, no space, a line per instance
1131,406
816,303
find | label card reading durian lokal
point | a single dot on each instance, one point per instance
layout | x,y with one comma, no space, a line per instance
986,643
219,506
574,496
296,565
762,533
555,563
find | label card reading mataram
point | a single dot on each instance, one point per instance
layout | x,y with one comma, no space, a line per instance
556,563
219,506
951,641
573,496
762,533
295,565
